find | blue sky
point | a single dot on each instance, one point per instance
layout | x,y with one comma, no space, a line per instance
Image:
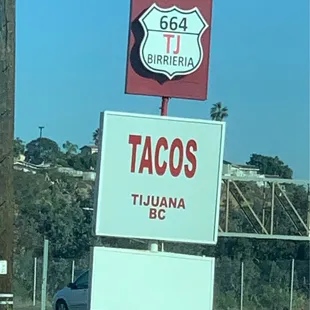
71,61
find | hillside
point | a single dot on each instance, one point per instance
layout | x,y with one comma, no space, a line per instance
57,206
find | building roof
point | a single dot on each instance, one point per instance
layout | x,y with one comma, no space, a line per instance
243,166
246,166
89,147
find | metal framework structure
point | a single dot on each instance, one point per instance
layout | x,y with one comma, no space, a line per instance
262,207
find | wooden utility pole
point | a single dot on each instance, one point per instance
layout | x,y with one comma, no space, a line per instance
7,94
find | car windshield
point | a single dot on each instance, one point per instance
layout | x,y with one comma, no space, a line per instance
82,281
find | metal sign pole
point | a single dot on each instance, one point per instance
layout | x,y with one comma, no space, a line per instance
72,271
153,245
241,285
164,106
34,282
292,284
44,275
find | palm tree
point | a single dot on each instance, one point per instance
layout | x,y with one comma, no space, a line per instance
18,147
96,136
218,112
70,148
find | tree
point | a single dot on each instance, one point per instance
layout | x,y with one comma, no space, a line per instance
91,161
55,207
83,162
70,148
96,136
42,150
66,159
218,112
271,166
18,147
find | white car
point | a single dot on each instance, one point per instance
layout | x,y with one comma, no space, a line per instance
74,296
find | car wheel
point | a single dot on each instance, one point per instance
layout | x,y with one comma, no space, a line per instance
61,305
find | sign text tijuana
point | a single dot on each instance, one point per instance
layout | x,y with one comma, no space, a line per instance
159,178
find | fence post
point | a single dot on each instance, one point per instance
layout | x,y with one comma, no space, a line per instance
308,215
241,285
34,282
292,284
72,271
44,275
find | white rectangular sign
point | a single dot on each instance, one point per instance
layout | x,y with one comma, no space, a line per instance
3,267
136,280
159,178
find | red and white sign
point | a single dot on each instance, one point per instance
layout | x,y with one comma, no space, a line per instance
172,40
169,48
159,178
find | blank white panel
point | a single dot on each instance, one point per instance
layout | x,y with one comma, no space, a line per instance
135,280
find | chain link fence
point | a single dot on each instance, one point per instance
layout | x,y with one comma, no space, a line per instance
28,279
261,285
